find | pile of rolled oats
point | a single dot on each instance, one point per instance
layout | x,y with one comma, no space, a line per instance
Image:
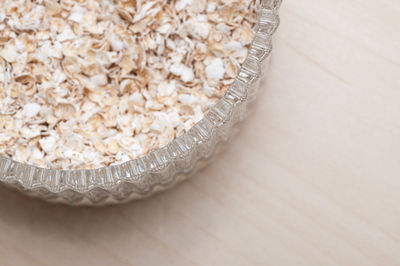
90,83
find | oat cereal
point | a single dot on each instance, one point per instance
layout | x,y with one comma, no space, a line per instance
90,83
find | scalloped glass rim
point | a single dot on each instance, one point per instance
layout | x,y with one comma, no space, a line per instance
163,167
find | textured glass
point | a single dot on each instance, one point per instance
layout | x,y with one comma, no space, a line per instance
166,166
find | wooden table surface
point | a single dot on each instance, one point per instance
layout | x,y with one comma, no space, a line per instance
313,178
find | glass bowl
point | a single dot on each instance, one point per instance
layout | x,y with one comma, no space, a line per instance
167,166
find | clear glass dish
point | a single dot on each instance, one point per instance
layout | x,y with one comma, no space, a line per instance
167,166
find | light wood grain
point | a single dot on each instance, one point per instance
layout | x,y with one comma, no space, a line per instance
313,178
